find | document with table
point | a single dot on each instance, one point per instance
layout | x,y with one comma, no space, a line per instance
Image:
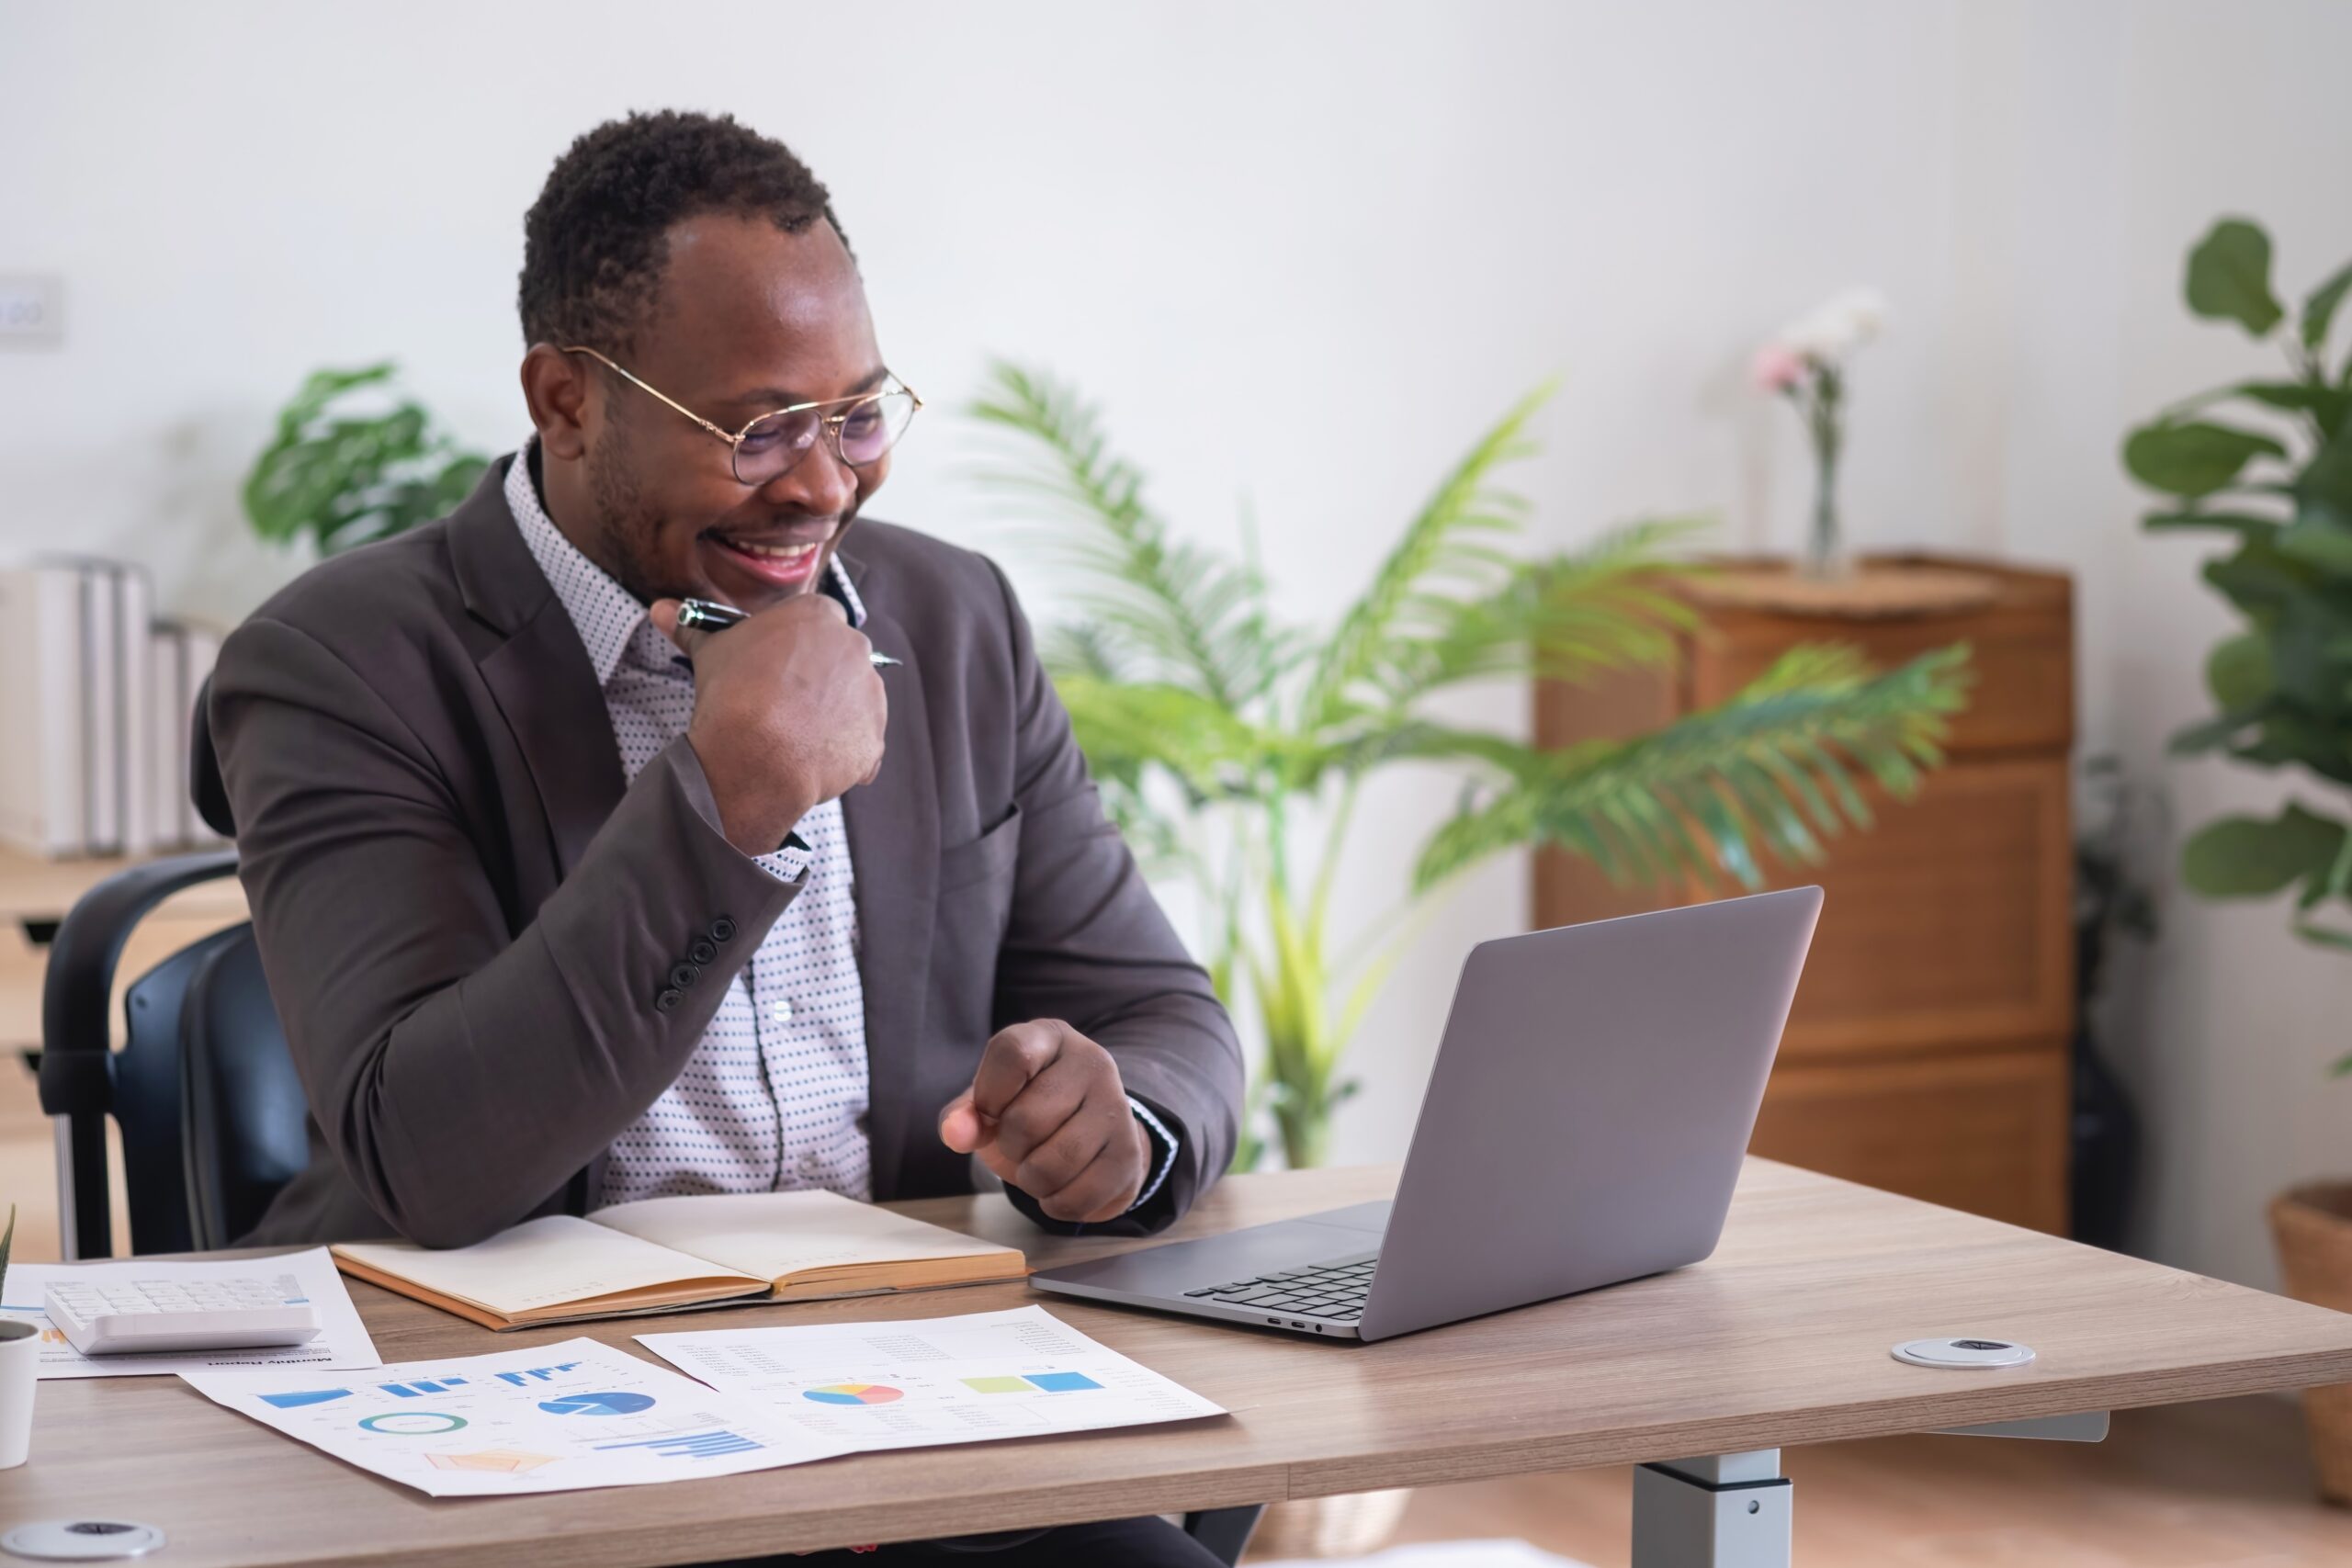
559,1417
671,1254
582,1414
930,1381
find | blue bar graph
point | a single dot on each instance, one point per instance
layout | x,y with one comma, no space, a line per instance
523,1379
691,1445
420,1386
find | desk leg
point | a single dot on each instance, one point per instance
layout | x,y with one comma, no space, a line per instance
1726,1511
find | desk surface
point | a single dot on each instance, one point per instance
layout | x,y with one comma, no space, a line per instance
1779,1340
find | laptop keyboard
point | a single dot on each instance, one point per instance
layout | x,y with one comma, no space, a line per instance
1333,1292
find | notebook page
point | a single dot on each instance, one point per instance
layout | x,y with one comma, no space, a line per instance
543,1262
776,1234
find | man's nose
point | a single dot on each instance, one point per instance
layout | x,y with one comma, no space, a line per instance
821,483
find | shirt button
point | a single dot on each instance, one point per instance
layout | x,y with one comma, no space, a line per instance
781,1012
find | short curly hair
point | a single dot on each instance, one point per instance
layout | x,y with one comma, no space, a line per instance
595,243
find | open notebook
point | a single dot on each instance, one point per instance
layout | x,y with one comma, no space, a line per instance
667,1254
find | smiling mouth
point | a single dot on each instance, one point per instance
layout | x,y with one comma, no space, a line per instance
781,563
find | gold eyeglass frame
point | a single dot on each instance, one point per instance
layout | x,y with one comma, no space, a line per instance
831,425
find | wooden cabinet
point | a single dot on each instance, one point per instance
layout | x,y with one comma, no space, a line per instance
1927,1051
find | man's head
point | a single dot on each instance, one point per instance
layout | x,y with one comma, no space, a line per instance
702,259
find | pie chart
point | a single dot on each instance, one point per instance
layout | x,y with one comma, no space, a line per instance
598,1405
853,1394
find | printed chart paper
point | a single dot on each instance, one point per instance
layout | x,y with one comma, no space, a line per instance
908,1384
558,1418
341,1343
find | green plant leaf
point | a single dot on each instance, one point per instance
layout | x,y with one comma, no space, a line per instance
2242,857
2319,306
2231,521
2326,479
1191,614
2228,276
2238,672
345,478
1435,544
2194,457
1696,795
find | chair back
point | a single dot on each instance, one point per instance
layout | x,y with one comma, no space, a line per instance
213,1115
244,1124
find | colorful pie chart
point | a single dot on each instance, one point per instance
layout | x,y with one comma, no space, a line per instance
853,1394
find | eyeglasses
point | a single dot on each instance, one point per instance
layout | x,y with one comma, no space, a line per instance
859,429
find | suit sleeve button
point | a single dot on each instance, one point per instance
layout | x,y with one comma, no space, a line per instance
703,951
722,930
669,1000
683,975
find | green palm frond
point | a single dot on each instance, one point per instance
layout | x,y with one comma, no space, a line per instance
1198,617
1446,544
1572,616
1775,767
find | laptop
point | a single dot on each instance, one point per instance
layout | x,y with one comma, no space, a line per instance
1584,1124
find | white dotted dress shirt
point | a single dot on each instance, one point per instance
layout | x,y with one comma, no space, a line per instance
775,1096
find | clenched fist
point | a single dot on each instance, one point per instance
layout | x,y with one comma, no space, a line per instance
788,712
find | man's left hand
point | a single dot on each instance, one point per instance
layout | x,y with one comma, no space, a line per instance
1047,1113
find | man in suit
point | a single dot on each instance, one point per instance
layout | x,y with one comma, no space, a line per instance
563,904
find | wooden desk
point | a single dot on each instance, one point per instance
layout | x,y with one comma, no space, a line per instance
1780,1339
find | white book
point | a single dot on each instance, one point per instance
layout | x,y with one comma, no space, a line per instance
203,649
168,745
134,718
41,709
102,789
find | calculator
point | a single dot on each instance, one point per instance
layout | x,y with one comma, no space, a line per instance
118,1317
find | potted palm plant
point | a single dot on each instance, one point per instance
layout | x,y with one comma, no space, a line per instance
1231,746
2276,482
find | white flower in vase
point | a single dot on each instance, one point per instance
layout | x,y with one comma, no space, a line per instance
1805,362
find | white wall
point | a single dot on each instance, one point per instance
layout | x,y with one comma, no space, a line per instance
1304,252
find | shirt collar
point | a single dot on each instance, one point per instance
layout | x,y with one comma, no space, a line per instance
607,617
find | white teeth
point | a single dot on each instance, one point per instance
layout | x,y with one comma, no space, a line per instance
773,552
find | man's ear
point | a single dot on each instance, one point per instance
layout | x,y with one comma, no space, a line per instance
555,388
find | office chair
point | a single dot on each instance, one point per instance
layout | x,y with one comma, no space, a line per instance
205,1093
212,1114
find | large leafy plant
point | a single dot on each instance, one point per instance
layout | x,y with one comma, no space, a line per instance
1230,746
2277,479
346,467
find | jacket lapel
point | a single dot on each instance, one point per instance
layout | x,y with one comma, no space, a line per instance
893,828
537,672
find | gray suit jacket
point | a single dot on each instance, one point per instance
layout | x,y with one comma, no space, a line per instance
469,923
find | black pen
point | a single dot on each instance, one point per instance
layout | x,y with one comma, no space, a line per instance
703,615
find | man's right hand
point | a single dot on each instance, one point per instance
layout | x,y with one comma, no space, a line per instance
788,712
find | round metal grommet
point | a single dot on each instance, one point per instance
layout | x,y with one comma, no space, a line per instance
81,1541
1971,1353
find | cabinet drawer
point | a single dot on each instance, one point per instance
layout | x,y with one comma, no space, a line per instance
1982,1133
1949,921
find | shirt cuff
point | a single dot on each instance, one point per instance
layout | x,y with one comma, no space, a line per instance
1164,1141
